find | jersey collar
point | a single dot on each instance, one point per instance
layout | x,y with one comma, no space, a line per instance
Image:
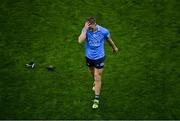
98,28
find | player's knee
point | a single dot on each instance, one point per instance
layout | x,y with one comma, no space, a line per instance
97,77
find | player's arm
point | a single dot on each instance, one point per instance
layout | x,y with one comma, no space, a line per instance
111,43
82,36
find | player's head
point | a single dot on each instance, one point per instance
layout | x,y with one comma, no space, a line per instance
92,22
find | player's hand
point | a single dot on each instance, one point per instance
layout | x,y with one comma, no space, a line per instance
86,26
115,50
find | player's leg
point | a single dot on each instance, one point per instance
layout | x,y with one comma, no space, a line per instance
97,78
98,70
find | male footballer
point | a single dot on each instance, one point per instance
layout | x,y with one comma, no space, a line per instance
95,36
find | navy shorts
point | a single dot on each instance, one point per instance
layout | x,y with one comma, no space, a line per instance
99,63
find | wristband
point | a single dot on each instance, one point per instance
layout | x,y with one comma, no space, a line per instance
84,30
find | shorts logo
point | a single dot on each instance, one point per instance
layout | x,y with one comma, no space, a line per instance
101,64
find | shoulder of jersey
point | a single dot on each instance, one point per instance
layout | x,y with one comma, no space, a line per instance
102,29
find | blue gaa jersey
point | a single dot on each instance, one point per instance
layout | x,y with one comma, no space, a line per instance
95,42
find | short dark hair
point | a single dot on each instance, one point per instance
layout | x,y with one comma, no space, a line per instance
91,20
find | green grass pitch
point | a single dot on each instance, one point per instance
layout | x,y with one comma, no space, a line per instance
139,82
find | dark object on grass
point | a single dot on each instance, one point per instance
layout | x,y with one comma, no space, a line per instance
30,65
51,68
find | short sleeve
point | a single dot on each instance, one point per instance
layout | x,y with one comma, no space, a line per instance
106,34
